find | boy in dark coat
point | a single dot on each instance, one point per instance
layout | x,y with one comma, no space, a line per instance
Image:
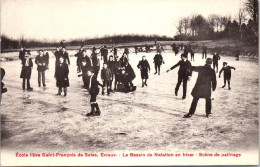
216,58
126,51
227,74
95,61
104,53
183,74
93,91
204,52
202,89
46,57
57,54
111,64
79,59
41,62
64,54
158,60
117,72
22,53
144,67
3,90
62,77
106,76
123,60
86,64
26,72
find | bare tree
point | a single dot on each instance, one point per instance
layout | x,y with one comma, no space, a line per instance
186,24
180,26
251,6
241,16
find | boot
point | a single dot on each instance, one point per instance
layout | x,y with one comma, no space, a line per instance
97,113
142,83
145,83
223,86
65,91
59,92
103,91
92,111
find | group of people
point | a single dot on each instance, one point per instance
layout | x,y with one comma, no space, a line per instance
119,71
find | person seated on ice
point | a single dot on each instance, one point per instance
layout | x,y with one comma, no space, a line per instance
26,72
227,74
62,77
95,61
93,91
3,89
64,54
202,89
41,62
144,67
79,56
126,80
123,60
106,77
158,60
183,74
216,58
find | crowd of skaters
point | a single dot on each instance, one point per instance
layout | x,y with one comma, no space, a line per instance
119,71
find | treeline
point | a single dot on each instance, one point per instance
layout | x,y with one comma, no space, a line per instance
244,26
9,43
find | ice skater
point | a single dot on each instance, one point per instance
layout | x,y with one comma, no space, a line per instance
106,77
202,89
227,74
64,54
158,60
183,74
22,53
41,62
79,56
237,53
191,55
62,77
3,89
104,53
95,61
216,58
111,64
93,91
204,52
144,67
57,55
26,72
86,64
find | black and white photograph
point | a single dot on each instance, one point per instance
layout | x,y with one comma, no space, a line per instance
129,82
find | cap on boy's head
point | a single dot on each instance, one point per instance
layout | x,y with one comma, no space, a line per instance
224,63
184,55
209,61
94,48
105,46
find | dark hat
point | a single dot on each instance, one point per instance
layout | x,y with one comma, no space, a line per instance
209,61
184,55
94,48
224,63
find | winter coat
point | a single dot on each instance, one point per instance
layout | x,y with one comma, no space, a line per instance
158,59
106,74
205,81
185,68
62,75
26,68
41,63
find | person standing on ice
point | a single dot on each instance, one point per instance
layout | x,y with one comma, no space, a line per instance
184,74
144,67
46,57
64,54
216,58
22,53
106,76
93,91
202,89
86,64
3,89
41,62
78,61
158,60
26,72
114,50
126,52
104,53
204,52
111,64
227,74
95,61
62,77
57,54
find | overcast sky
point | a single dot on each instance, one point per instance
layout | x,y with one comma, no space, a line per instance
70,19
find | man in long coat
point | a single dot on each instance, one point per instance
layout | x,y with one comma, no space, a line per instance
202,89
